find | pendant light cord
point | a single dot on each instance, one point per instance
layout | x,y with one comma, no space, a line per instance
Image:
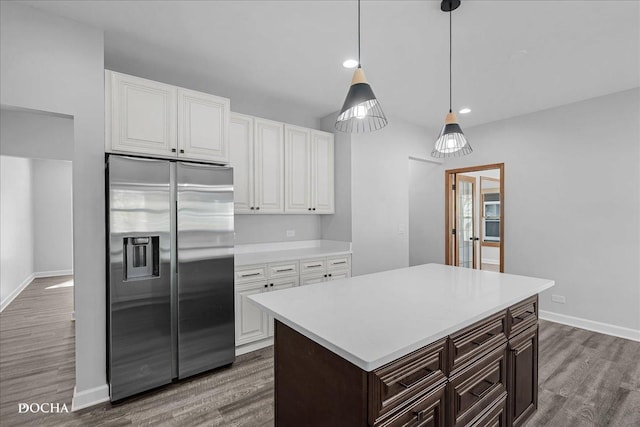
359,66
450,56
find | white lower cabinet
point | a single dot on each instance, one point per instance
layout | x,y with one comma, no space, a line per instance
319,270
254,328
251,322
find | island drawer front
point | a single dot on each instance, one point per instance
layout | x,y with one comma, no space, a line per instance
283,269
495,416
474,389
393,384
339,263
522,316
470,343
426,410
251,273
312,265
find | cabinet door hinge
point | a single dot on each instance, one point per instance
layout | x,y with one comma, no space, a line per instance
453,231
453,187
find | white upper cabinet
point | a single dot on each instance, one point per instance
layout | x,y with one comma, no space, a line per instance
280,168
141,115
257,158
155,119
308,171
268,166
322,190
297,155
202,126
241,159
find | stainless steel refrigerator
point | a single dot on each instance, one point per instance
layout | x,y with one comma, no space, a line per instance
170,271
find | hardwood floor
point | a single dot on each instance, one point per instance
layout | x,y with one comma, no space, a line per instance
586,379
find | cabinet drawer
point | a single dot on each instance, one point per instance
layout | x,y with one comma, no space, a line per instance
312,279
392,385
473,390
251,273
496,415
522,315
283,269
312,266
427,410
467,345
339,263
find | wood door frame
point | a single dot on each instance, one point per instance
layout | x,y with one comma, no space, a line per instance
450,174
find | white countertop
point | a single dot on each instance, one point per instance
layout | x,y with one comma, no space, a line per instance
374,319
263,253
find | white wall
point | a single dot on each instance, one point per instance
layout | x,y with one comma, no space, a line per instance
572,205
16,227
380,194
426,242
52,64
52,217
273,228
35,135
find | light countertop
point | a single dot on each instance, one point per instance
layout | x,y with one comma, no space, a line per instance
265,253
373,319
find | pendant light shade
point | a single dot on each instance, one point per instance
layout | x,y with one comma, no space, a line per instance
361,111
451,142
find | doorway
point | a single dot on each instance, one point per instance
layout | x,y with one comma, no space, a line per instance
474,217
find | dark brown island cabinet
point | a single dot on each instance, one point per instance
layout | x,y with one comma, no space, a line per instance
483,375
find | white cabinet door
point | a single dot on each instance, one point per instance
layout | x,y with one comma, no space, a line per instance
268,166
297,157
252,324
241,159
142,114
277,285
322,172
203,126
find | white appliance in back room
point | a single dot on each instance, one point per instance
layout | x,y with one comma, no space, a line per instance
170,271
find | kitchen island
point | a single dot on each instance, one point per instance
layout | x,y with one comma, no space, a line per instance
425,345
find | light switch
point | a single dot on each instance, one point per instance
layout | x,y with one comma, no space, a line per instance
291,233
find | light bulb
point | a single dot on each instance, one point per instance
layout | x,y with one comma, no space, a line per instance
361,111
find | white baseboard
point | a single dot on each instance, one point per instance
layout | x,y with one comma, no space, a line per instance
5,302
87,398
53,273
248,348
591,325
491,261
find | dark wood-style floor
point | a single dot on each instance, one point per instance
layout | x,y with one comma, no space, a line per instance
586,379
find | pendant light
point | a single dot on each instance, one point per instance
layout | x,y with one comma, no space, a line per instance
361,110
451,142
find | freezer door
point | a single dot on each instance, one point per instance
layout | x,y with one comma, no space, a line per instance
205,268
139,272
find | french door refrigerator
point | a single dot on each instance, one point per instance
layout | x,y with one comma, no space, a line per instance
170,271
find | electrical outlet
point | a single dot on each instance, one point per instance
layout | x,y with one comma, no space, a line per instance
291,233
559,299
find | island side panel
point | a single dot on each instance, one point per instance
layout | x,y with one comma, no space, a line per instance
314,386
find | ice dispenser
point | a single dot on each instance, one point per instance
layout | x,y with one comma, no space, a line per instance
141,257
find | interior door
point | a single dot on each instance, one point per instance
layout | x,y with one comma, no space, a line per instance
465,213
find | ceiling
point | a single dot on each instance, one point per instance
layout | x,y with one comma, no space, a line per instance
511,57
